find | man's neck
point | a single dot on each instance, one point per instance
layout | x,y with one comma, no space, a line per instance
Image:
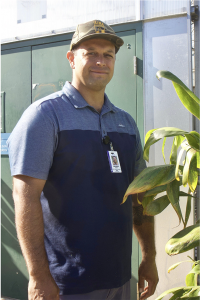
92,97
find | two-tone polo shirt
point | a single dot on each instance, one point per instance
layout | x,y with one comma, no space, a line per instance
88,234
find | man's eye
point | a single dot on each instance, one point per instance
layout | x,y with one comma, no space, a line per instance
109,55
91,53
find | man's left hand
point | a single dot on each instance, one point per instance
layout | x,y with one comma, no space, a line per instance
147,271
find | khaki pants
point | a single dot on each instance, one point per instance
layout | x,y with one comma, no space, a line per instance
121,293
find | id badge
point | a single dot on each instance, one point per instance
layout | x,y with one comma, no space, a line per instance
114,162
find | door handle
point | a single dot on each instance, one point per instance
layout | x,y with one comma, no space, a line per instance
135,64
34,86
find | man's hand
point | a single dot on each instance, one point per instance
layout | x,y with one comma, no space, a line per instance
147,271
43,288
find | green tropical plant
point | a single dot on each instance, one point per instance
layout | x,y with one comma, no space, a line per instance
169,178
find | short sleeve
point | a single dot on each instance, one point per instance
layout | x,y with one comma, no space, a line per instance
32,143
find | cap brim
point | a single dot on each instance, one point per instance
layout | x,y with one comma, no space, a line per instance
117,41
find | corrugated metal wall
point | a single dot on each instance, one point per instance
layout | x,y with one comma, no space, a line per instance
167,46
157,8
22,19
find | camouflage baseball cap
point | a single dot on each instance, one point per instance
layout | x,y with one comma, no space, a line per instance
95,29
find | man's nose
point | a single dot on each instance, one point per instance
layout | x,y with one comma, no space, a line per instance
101,61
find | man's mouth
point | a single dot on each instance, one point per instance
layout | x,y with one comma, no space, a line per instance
99,72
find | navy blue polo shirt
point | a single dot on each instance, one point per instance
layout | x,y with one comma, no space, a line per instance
88,234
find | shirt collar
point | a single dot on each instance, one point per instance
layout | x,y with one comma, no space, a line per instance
79,102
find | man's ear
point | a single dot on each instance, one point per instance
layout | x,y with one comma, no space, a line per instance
70,57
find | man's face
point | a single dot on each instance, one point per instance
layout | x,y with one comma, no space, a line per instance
93,64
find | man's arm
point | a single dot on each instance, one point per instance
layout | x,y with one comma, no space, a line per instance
30,231
143,227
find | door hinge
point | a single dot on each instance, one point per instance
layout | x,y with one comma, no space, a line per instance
135,64
194,12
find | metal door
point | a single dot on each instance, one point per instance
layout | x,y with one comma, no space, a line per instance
16,97
121,90
42,72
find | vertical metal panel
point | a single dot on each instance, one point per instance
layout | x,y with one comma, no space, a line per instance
50,68
122,92
159,8
2,112
14,275
166,47
16,82
16,78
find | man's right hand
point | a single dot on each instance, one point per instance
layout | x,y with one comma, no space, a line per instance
43,288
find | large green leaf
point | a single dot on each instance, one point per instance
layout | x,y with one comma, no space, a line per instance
175,145
150,178
189,298
174,78
186,146
187,101
183,194
146,201
173,195
148,138
179,291
193,173
174,266
189,156
156,190
182,293
163,147
184,240
191,278
194,292
188,209
157,134
193,139
149,133
178,163
187,97
196,135
198,160
156,206
177,295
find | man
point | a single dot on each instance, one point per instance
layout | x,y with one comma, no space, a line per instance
75,236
